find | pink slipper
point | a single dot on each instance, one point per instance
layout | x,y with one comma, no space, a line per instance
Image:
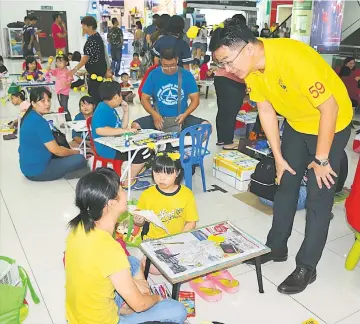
206,289
225,281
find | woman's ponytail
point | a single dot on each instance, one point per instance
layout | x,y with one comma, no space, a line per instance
83,218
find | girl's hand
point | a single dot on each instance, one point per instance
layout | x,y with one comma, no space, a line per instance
324,174
139,220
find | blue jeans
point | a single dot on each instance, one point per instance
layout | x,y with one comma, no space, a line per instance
301,199
59,167
168,310
116,55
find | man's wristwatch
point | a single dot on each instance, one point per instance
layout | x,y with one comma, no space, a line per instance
323,162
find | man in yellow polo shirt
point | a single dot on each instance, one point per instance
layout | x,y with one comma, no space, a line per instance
290,78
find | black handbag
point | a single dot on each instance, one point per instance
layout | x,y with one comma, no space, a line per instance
60,139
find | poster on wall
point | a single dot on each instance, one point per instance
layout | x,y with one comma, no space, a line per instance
326,26
161,6
301,19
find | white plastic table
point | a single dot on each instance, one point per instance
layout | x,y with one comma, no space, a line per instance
79,126
118,143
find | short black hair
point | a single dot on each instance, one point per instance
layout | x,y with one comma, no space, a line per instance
108,90
169,54
55,16
136,54
62,57
29,59
123,74
87,99
176,25
239,17
163,23
26,18
196,61
76,56
164,164
89,21
235,32
139,24
156,16
114,20
69,54
33,18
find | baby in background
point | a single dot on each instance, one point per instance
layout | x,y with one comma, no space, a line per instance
172,202
31,70
38,65
134,66
63,81
127,95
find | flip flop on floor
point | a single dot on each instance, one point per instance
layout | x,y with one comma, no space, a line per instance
225,281
231,148
206,289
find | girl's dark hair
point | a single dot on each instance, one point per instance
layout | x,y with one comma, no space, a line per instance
89,21
29,60
235,32
93,192
345,71
76,56
20,95
138,24
207,59
87,99
64,58
176,26
36,94
164,164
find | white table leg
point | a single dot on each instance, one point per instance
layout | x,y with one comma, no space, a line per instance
85,134
129,173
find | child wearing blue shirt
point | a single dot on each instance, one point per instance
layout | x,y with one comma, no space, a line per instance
87,105
106,122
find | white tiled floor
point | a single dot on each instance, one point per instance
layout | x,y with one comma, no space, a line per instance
33,218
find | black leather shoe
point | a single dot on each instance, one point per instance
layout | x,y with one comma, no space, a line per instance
297,281
268,257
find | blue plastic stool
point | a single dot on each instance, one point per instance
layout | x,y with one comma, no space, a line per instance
194,154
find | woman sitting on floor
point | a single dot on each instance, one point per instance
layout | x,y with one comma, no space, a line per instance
41,158
103,285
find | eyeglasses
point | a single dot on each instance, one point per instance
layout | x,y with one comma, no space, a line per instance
222,65
169,67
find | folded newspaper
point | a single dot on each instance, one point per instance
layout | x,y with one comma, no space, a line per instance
149,215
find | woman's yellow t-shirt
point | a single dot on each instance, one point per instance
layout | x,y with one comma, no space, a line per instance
90,259
174,210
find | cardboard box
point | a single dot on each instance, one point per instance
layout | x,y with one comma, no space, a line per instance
234,168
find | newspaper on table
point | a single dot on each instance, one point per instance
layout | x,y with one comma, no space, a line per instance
187,253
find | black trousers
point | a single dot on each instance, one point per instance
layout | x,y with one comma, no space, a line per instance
230,95
93,89
63,101
299,150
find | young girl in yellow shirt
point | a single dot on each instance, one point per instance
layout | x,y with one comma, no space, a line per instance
172,202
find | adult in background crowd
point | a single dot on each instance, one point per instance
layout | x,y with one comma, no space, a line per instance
318,112
174,39
59,33
162,86
27,38
116,39
138,38
93,58
149,31
162,26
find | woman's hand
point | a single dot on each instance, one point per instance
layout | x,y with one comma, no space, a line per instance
324,174
281,167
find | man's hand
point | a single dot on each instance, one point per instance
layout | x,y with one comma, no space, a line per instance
281,167
158,121
125,106
324,174
180,119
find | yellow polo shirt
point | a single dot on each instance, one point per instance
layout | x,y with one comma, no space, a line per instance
296,81
90,259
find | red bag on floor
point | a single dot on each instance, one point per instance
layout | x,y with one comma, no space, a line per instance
352,202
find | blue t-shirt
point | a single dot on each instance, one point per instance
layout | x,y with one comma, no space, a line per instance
163,89
34,133
79,116
182,48
104,116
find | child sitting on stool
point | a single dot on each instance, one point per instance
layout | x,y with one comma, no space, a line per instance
127,95
134,66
